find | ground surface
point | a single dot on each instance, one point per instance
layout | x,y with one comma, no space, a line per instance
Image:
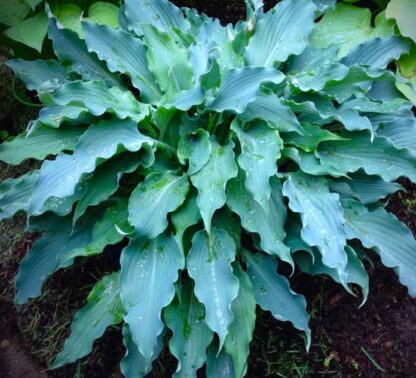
378,340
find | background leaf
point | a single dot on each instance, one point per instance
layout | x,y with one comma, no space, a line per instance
31,31
13,11
104,13
347,26
403,11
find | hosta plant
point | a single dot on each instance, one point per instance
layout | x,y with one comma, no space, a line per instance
215,154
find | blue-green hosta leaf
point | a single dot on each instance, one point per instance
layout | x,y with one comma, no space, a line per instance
254,8
268,107
355,271
186,99
316,81
167,61
194,148
319,110
312,59
356,83
389,90
63,206
312,69
122,53
62,243
384,115
96,231
212,78
122,18
378,52
41,260
103,13
191,336
323,5
225,219
15,194
103,309
269,226
403,12
13,11
216,287
68,47
58,178
376,158
260,149
241,329
322,217
212,179
310,261
219,364
105,180
30,32
310,164
348,26
39,75
133,364
240,86
391,239
386,108
162,14
273,292
366,189
40,143
149,268
55,115
98,99
200,57
153,199
282,32
227,55
401,133
313,135
293,239
208,29
186,216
